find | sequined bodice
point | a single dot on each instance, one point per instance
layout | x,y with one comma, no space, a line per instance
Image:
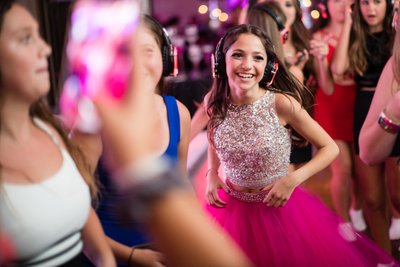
252,145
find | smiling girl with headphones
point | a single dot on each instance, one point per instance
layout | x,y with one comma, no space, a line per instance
255,106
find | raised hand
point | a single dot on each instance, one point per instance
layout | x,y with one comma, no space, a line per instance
319,49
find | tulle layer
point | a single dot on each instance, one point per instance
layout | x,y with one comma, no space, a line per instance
302,233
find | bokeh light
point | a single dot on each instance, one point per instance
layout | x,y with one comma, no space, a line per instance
315,14
203,9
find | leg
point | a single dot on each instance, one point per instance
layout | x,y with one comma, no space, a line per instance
356,212
374,192
393,181
341,180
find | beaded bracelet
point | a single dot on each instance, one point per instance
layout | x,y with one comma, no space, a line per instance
388,124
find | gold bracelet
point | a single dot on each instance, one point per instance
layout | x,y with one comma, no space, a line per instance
131,256
387,124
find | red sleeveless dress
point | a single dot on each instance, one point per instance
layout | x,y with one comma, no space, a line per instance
335,112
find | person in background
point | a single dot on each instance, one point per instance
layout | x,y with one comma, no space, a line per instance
378,135
295,50
242,18
334,111
46,187
270,17
364,47
296,46
255,105
173,122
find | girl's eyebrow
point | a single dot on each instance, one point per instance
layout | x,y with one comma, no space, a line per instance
26,29
241,50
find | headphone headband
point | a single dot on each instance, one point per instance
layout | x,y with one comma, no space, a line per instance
273,15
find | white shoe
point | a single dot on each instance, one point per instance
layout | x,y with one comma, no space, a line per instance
394,230
357,220
347,231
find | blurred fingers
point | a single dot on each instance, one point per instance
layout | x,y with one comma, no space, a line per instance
274,200
215,200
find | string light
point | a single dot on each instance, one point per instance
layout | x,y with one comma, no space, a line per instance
215,13
307,3
223,17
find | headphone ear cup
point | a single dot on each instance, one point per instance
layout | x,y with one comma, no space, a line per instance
219,59
269,73
219,66
168,61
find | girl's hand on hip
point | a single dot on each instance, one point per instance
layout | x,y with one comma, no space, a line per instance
213,184
279,192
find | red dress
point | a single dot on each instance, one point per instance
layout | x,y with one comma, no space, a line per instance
335,112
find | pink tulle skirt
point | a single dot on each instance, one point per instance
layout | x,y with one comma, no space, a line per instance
302,233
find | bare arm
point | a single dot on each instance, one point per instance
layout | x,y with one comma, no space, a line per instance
375,143
340,62
183,146
290,112
297,117
199,121
320,50
134,256
95,244
91,147
214,181
192,240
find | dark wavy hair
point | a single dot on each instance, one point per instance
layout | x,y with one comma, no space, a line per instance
300,34
301,40
284,82
358,36
5,5
40,109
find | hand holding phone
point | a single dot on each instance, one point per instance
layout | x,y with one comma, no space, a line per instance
98,58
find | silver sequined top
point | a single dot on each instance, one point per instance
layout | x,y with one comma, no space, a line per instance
252,145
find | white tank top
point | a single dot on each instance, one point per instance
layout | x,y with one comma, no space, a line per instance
44,219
